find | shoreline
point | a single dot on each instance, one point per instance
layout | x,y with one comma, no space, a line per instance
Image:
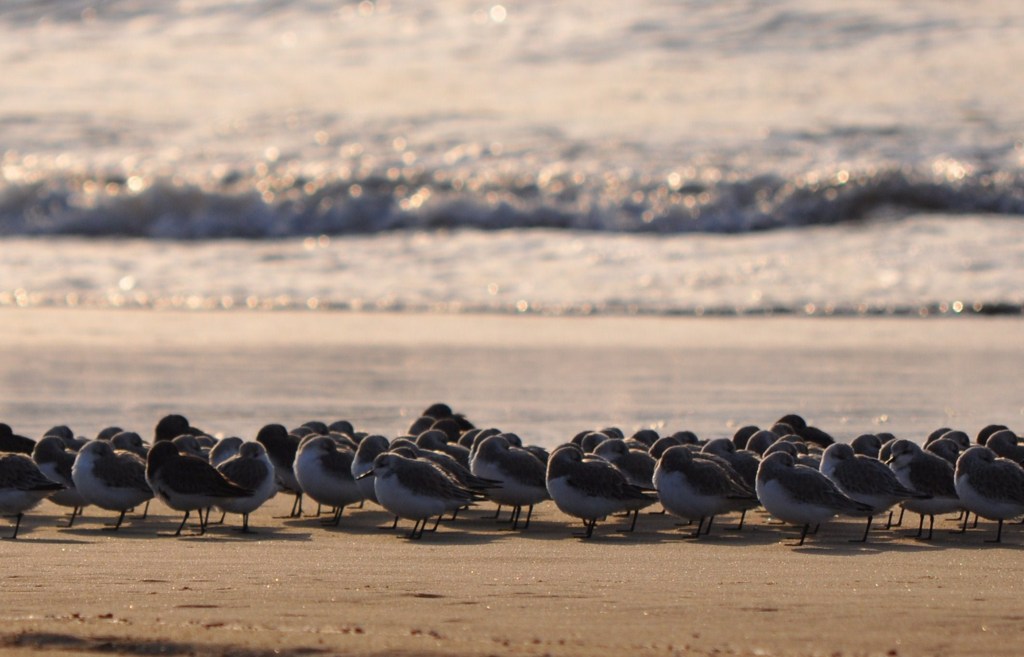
15,318
21,299
543,377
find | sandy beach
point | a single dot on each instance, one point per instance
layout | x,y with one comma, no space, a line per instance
474,588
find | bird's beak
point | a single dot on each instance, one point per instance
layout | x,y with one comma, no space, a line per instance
368,473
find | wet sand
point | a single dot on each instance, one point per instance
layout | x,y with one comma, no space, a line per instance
474,588
545,378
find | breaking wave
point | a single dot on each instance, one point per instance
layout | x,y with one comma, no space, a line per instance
261,204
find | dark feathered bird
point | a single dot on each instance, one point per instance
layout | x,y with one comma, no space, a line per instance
12,442
187,483
281,448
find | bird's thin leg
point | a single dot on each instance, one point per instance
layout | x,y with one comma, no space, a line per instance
529,512
803,535
182,525
707,530
17,525
516,510
418,524
117,525
245,525
999,531
864,538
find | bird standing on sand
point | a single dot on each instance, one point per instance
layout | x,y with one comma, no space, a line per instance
865,480
521,476
324,471
22,487
111,479
990,486
800,495
416,489
698,489
590,490
251,469
55,462
187,483
926,473
369,448
281,448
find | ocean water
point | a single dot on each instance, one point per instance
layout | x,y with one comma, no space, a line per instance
649,157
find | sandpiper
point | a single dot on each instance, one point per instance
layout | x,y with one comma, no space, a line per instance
519,472
741,436
251,469
438,441
226,448
867,444
130,441
111,479
189,444
55,462
281,448
187,483
800,495
962,440
369,448
67,436
1006,443
170,427
22,486
324,471
988,430
590,490
743,461
865,480
926,473
637,465
108,432
808,433
658,448
416,489
12,442
990,486
698,489
761,440
462,475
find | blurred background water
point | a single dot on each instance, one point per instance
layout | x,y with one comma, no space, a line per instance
571,157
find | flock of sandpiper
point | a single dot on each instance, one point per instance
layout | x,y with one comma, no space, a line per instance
796,472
